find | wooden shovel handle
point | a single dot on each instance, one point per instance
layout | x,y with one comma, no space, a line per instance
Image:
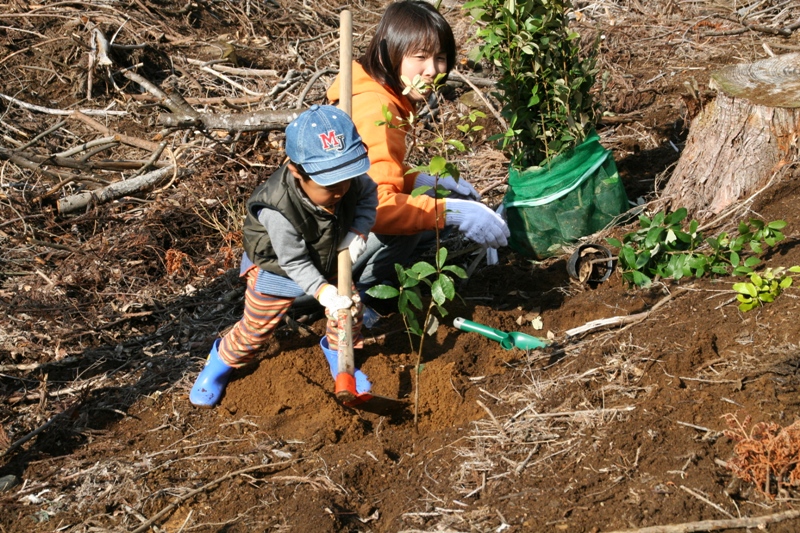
346,364
344,321
346,62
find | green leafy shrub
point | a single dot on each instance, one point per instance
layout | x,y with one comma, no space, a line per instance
662,248
545,81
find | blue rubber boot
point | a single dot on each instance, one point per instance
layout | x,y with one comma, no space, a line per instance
362,382
210,384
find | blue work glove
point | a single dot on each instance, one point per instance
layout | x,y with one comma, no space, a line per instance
477,222
461,189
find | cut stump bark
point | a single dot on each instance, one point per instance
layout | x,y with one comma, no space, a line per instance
741,138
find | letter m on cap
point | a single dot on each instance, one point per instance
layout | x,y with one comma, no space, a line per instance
331,141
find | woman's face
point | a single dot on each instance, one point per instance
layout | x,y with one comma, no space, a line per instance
427,67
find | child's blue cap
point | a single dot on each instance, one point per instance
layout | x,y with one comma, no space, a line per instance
325,142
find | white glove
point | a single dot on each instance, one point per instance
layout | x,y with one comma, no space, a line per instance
458,189
477,222
356,243
332,301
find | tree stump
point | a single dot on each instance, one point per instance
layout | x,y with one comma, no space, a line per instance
746,134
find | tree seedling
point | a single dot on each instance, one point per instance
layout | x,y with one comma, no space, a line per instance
420,319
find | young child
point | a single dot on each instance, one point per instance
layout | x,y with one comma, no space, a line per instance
317,203
411,39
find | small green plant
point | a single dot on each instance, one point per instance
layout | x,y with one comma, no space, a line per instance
420,319
438,278
763,288
662,248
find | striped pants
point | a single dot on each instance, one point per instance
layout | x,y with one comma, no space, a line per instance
262,314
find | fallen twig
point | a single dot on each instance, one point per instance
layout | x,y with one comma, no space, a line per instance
233,70
715,525
118,189
51,111
491,415
217,100
34,366
233,83
23,162
240,122
314,78
480,95
172,101
620,320
29,436
586,412
35,162
45,133
124,139
706,501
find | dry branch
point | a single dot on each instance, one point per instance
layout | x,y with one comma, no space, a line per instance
216,100
23,162
118,189
620,320
480,95
234,70
33,366
172,101
51,111
233,122
125,139
759,522
19,442
35,161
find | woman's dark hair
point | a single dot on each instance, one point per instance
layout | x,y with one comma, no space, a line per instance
406,27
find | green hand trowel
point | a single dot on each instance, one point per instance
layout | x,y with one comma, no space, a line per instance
515,339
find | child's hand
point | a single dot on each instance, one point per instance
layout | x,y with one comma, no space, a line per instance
356,243
332,301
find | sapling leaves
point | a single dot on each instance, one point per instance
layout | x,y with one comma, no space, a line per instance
421,270
383,292
422,189
457,270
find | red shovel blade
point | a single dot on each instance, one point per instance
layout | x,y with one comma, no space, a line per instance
346,391
365,401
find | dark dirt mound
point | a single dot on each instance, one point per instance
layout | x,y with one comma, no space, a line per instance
109,312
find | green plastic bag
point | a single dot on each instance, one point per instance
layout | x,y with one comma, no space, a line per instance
578,194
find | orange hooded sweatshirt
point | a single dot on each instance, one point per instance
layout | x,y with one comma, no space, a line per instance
398,213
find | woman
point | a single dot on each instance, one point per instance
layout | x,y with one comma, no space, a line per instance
412,39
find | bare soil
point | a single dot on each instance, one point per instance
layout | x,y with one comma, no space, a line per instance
109,312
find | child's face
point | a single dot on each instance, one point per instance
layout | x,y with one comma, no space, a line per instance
425,65
318,194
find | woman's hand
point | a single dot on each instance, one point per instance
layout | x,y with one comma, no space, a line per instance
477,222
460,188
